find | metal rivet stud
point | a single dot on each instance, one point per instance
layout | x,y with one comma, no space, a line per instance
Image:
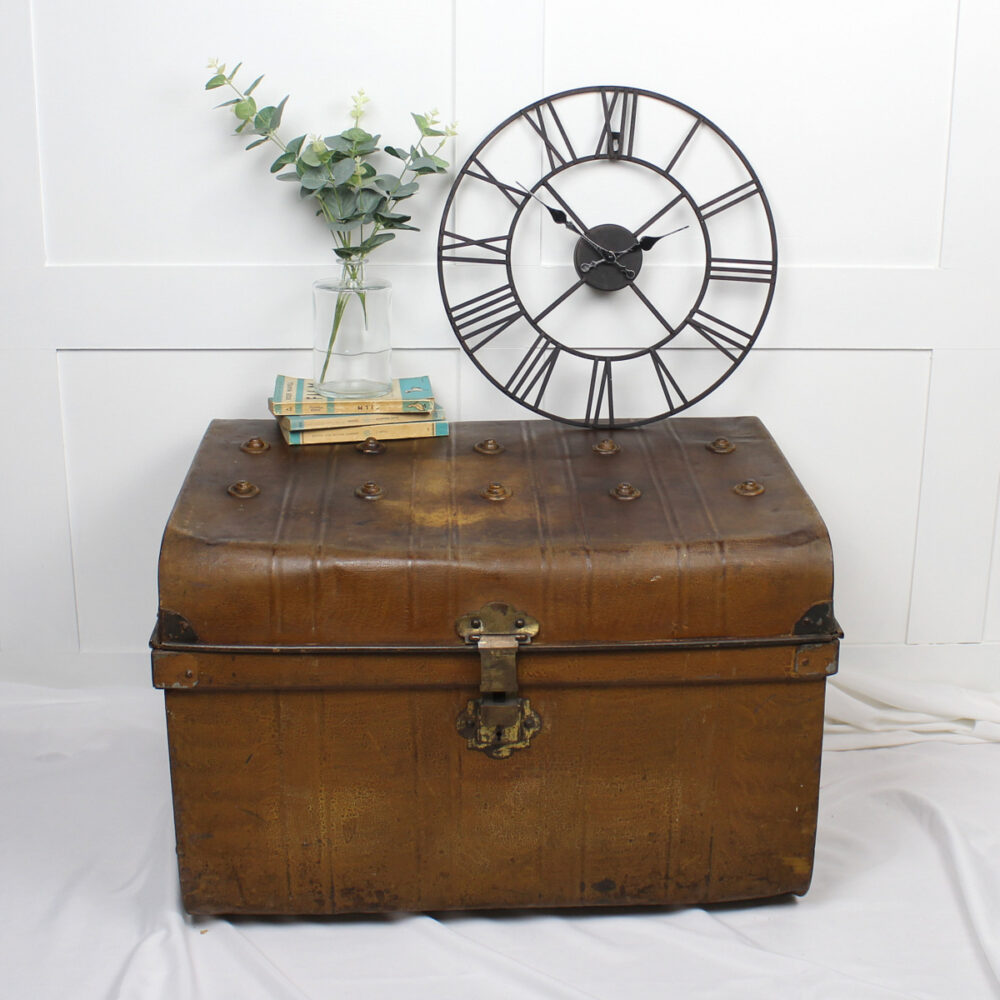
495,492
748,488
626,491
255,446
491,446
721,446
369,491
607,447
370,446
243,490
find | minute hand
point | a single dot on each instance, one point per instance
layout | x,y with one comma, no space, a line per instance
562,219
648,242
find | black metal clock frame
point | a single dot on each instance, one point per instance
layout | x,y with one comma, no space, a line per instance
607,258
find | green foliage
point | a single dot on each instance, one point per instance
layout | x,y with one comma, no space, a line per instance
355,199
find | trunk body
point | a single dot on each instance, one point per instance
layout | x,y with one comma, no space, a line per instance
645,729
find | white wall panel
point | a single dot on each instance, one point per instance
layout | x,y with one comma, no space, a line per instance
991,628
37,601
237,306
136,166
973,201
957,499
133,421
20,207
843,110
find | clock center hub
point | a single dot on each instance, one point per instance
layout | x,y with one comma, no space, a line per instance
607,257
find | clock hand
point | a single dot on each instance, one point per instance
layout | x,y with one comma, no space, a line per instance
591,264
648,242
562,219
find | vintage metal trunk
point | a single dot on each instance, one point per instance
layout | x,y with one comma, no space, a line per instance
517,666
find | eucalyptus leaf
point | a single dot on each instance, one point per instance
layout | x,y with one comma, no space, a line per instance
278,112
284,160
356,135
295,144
400,154
245,109
338,144
228,104
249,89
370,201
310,157
257,142
376,241
342,171
405,190
314,179
345,226
229,78
217,81
347,253
288,177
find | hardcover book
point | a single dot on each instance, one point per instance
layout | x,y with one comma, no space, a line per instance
384,432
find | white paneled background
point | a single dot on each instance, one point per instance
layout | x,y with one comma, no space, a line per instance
155,276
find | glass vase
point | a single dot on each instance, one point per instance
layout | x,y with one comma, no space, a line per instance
351,334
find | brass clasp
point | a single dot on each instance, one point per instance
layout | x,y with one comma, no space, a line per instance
499,722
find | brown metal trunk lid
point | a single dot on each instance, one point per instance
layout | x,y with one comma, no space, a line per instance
273,550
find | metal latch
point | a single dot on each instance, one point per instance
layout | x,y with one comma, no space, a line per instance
499,722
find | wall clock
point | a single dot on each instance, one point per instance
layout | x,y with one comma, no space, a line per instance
607,256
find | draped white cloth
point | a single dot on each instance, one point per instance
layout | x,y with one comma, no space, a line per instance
905,900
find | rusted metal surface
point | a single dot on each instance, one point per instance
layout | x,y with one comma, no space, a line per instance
672,691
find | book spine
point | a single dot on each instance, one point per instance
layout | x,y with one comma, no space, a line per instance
390,404
384,432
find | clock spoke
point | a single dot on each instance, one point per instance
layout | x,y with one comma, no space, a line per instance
659,215
558,301
683,145
649,305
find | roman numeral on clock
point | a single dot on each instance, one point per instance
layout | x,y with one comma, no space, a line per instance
730,198
600,399
478,320
618,131
482,173
668,384
721,335
534,370
549,128
740,269
497,246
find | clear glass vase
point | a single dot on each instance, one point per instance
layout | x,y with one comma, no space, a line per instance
352,334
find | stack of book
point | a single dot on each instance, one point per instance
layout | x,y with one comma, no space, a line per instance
306,417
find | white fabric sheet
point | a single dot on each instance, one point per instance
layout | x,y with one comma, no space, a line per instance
905,900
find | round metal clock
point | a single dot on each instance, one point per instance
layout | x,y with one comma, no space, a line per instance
607,256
